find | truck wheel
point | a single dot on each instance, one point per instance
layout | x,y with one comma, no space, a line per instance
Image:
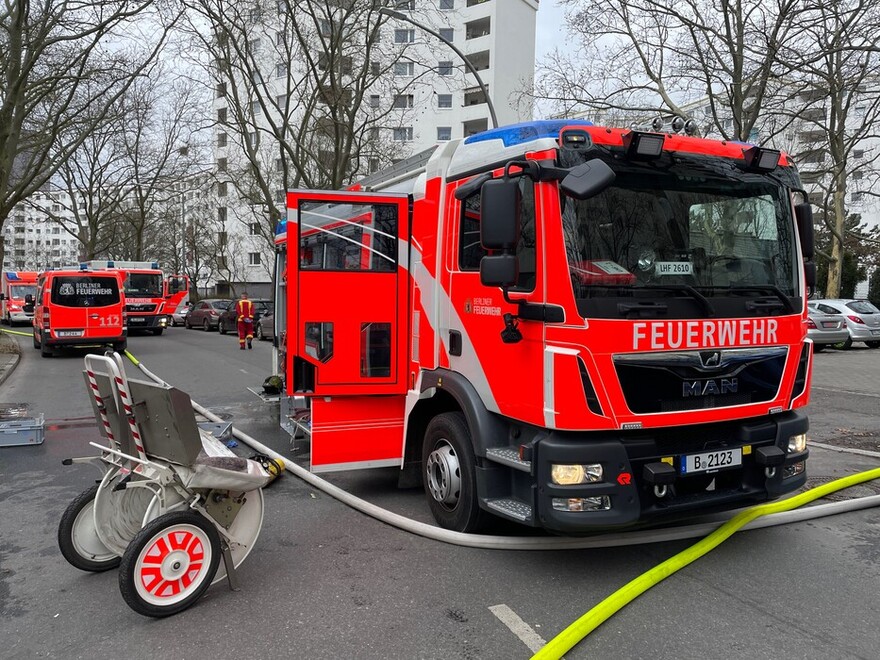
77,539
449,468
169,564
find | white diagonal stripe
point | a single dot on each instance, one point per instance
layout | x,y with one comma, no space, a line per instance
518,627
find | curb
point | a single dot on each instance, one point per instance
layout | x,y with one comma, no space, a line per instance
12,365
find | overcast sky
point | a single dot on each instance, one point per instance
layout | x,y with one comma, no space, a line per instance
551,24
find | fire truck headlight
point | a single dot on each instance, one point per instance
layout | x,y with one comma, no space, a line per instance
797,443
569,475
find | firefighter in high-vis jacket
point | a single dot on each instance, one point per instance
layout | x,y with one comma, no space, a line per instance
244,313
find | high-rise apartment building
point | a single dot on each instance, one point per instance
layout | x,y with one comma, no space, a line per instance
422,93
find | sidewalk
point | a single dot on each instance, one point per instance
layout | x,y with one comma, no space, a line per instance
9,355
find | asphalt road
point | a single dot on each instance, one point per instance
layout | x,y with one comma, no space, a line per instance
327,582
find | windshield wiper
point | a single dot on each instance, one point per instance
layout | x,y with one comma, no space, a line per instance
759,288
684,288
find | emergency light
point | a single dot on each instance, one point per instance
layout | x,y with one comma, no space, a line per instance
643,146
763,160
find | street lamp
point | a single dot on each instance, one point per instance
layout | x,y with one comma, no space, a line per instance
470,67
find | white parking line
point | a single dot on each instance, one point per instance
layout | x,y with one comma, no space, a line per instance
244,371
845,450
518,627
839,391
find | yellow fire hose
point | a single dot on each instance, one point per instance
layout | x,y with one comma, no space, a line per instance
16,332
569,637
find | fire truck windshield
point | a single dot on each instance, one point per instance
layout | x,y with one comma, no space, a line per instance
143,285
19,291
677,230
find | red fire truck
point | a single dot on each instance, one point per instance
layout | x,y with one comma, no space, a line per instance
15,287
568,326
151,296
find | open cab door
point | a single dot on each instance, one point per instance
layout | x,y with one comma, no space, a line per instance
348,296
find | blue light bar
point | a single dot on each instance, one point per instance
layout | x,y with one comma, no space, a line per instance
281,227
12,275
111,264
83,266
526,131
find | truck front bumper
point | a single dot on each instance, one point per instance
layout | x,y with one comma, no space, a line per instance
628,492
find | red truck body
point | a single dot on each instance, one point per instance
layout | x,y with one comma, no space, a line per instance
16,285
569,326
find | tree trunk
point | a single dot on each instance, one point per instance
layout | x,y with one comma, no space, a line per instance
835,268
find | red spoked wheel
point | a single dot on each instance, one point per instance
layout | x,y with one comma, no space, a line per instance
169,564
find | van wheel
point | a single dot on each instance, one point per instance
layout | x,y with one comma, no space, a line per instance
449,468
46,351
36,343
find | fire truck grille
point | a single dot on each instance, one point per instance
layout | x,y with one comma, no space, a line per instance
698,380
140,307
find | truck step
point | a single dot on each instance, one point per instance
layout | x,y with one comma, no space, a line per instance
509,457
513,509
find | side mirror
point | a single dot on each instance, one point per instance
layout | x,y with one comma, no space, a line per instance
810,276
588,179
499,270
804,216
500,203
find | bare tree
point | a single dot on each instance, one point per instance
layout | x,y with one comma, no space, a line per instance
63,68
835,101
644,56
304,98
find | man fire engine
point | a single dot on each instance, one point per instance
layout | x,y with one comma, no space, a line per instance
565,325
151,297
18,291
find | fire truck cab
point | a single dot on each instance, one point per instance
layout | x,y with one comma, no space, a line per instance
568,326
151,296
79,308
18,289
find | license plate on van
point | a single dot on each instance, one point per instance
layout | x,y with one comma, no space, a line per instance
711,461
69,333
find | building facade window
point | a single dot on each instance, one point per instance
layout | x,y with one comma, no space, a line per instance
403,134
447,4
404,36
444,68
444,133
404,69
447,33
402,101
254,258
444,100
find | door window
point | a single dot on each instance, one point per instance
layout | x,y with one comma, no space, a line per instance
360,237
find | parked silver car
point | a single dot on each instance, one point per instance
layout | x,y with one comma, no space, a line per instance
825,328
862,320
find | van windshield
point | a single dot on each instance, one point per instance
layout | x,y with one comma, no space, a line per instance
85,291
19,291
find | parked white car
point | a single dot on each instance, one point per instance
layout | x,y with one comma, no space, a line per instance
825,328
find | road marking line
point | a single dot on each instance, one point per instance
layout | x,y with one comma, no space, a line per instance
845,450
243,371
836,391
518,627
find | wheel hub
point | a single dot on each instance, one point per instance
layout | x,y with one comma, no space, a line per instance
443,475
169,566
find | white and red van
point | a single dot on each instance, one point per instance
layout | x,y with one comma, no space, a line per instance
79,308
15,287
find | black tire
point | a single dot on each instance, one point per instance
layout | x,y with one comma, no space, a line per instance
449,470
75,538
872,344
174,567
158,331
46,351
206,325
36,341
818,348
120,346
221,327
843,345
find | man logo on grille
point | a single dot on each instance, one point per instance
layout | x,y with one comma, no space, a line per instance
710,359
